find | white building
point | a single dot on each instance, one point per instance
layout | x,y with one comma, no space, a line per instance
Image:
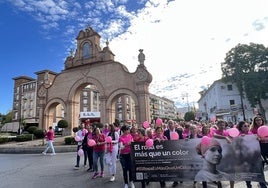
223,101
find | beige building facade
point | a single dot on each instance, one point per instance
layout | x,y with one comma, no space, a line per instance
88,65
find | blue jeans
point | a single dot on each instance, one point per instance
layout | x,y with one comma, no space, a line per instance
50,145
96,156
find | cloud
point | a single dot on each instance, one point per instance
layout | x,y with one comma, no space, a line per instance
184,41
258,25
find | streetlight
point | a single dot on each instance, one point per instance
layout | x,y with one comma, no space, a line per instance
21,113
186,95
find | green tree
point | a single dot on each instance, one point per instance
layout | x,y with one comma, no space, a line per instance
62,124
188,116
6,118
246,66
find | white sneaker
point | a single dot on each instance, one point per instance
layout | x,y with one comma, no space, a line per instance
53,154
132,184
43,153
126,186
112,178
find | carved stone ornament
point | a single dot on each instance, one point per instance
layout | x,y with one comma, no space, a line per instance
142,74
42,91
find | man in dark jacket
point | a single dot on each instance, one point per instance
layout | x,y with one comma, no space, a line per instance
172,128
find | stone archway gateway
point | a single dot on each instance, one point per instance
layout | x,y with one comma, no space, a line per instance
92,65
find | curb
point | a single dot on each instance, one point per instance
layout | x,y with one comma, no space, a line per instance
36,150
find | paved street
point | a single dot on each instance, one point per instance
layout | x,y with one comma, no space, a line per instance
38,171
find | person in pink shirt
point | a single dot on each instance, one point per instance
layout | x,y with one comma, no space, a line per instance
186,131
221,132
243,128
257,122
105,129
160,137
159,134
125,158
134,132
50,138
98,151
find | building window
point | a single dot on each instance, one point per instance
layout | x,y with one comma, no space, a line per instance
86,50
230,87
232,102
85,101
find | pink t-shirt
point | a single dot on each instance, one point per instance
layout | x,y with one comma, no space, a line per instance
223,133
254,130
50,135
248,133
125,140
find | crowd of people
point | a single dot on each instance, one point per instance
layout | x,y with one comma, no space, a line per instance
106,152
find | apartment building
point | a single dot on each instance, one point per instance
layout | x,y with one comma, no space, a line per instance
223,101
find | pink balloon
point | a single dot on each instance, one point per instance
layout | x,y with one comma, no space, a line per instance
91,142
174,136
146,124
77,138
149,143
205,140
233,132
108,139
80,152
158,121
262,131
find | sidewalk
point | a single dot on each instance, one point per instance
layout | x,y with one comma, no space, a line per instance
36,146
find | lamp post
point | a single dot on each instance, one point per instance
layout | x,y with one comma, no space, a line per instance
187,101
23,100
206,111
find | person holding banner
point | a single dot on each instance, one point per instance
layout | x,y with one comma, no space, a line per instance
159,136
142,138
168,133
257,122
125,158
222,133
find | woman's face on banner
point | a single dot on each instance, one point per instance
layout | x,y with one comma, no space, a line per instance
214,155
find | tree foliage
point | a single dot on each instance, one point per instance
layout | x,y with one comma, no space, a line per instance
62,124
189,116
6,118
247,67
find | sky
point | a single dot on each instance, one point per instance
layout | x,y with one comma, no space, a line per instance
184,41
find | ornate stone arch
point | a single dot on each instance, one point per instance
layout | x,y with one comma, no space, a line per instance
111,78
74,94
82,82
120,92
50,106
111,98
